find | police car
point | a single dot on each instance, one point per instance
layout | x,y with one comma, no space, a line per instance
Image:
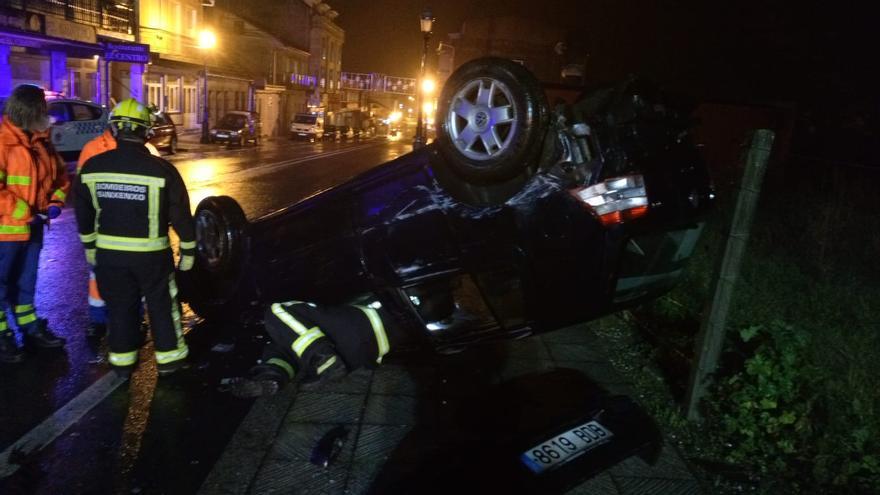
74,123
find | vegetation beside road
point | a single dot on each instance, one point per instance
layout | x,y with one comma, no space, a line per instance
795,407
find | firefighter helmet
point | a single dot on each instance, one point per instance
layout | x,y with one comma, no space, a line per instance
129,114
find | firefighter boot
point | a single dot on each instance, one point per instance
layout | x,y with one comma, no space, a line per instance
39,336
265,379
9,351
166,369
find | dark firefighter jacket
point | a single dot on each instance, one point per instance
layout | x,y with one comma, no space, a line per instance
125,199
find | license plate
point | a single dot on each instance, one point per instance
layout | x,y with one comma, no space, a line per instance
565,447
222,135
301,134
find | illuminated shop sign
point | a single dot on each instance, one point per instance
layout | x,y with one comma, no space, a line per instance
135,53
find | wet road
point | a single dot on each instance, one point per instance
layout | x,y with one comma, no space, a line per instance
67,426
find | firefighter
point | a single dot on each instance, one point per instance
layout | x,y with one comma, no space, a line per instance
97,308
313,344
125,200
33,186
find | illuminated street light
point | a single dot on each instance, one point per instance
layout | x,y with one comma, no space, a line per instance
426,22
428,86
207,41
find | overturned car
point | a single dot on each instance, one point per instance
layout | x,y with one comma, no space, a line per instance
519,219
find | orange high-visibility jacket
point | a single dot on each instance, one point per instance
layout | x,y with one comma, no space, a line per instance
32,176
102,143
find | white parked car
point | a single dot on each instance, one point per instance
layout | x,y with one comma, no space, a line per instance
75,123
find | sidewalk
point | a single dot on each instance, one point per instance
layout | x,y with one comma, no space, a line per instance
190,141
390,412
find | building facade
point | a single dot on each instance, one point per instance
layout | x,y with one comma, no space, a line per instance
272,66
308,26
63,46
173,82
277,58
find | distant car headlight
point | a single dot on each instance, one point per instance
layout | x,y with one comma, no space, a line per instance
235,133
213,131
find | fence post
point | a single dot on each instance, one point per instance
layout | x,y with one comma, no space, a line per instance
711,336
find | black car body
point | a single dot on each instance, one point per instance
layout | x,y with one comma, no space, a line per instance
554,219
237,128
164,132
331,132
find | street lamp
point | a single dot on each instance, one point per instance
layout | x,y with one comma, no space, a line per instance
207,41
426,22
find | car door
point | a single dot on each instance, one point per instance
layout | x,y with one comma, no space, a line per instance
59,116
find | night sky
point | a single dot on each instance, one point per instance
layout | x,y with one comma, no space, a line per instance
766,50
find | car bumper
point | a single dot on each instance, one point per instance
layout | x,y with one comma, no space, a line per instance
302,135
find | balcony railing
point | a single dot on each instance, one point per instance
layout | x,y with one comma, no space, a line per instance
111,15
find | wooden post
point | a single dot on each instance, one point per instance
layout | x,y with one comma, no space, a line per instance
711,336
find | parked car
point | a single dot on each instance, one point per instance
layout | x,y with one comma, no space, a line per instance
307,126
331,132
237,128
345,132
164,132
74,123
515,221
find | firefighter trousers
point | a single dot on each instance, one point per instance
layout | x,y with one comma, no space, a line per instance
122,287
306,338
18,280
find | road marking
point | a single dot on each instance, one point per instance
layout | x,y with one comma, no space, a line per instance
50,429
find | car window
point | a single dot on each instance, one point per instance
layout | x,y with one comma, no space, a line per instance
161,119
233,121
58,113
85,112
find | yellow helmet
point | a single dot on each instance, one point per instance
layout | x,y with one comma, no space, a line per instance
129,113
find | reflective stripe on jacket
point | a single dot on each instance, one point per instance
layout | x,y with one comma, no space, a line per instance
32,176
125,200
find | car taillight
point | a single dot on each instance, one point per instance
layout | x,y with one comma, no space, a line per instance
616,200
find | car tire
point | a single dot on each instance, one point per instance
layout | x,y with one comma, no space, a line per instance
493,118
221,248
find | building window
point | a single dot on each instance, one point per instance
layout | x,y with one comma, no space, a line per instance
154,95
173,98
193,22
189,99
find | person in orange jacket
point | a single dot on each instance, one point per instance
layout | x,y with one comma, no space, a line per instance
33,187
97,307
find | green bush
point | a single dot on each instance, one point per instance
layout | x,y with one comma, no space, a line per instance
763,412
